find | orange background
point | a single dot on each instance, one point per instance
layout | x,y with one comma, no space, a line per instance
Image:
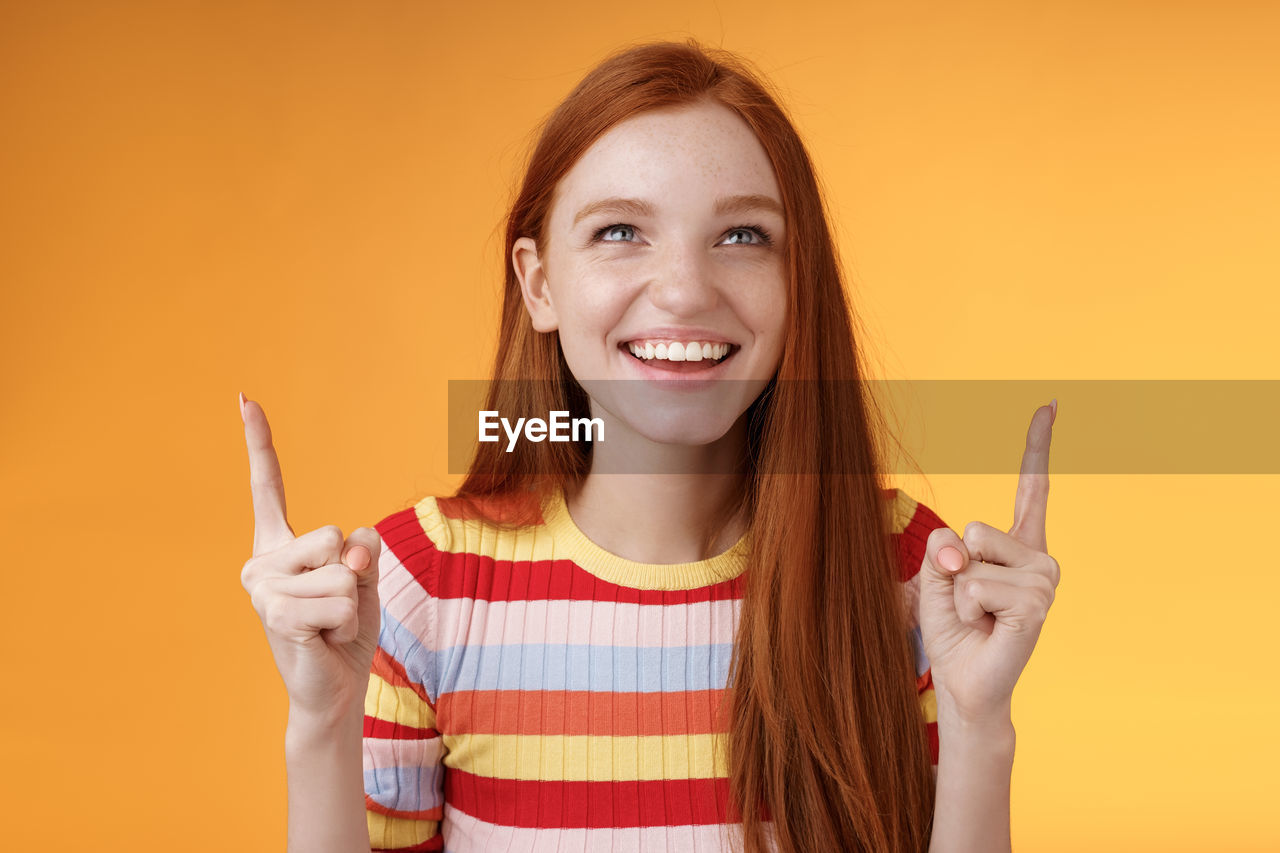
303,201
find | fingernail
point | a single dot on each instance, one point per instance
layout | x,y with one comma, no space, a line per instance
950,559
242,402
358,558
1053,404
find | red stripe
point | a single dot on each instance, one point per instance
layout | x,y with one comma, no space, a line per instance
399,528
589,805
373,805
374,727
583,712
925,682
466,575
392,671
914,538
403,536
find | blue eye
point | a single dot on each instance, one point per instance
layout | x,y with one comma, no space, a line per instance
759,230
765,239
605,230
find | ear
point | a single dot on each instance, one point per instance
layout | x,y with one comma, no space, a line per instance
533,285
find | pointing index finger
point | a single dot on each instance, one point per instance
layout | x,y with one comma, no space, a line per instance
270,527
1031,505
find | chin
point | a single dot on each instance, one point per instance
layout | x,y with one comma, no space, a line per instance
691,432
676,415
674,429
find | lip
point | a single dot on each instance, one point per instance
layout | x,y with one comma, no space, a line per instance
680,333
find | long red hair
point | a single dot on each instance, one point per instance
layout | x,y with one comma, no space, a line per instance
826,736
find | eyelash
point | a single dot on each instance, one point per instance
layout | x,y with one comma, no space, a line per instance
766,239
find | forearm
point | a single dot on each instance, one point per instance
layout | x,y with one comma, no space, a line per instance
971,808
325,766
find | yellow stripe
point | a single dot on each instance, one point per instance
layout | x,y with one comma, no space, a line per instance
588,758
397,704
392,832
475,536
904,508
929,705
559,539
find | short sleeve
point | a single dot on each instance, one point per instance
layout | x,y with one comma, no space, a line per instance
403,751
912,524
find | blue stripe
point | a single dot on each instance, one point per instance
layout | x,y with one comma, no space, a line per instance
406,789
917,643
621,669
418,660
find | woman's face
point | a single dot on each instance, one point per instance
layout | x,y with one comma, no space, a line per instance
662,270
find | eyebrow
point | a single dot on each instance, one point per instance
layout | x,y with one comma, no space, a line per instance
640,207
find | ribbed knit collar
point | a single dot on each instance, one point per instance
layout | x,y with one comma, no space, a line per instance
575,545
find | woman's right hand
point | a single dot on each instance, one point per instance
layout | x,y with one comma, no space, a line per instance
316,594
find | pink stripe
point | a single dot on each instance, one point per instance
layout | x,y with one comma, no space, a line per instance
401,594
601,623
385,752
464,832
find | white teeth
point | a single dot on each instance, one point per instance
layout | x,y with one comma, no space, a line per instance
679,351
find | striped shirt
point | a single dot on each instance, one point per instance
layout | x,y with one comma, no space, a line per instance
534,692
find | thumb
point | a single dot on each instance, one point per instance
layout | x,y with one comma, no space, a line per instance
361,553
945,556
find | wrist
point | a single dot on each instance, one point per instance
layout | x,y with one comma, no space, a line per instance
994,725
308,729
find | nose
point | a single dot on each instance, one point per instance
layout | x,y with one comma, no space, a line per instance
683,284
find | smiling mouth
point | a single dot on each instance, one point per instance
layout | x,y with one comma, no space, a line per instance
680,357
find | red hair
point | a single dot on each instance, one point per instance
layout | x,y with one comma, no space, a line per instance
826,736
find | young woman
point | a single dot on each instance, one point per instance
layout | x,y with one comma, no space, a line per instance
709,628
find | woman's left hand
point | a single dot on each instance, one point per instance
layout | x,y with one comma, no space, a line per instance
984,598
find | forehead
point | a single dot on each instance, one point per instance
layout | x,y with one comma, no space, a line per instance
701,151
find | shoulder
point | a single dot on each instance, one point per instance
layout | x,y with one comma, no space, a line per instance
408,532
910,523
447,522
450,530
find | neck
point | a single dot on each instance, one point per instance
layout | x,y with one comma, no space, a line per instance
658,517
